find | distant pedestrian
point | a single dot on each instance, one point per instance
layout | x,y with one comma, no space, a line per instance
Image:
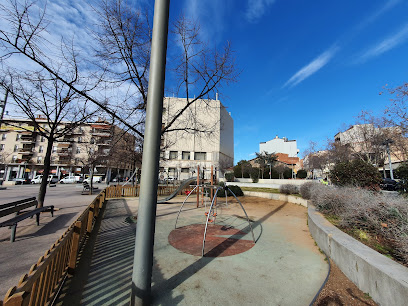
324,181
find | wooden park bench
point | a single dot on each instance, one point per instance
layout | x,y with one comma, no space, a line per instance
17,209
87,188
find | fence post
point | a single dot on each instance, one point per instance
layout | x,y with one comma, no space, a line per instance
74,248
90,218
17,299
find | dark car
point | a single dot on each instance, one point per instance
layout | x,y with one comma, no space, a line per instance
389,184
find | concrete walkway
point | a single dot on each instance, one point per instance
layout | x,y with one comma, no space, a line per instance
284,267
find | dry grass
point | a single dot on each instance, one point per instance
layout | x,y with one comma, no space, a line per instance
379,220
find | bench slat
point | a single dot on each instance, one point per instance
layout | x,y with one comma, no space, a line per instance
25,215
2,206
10,210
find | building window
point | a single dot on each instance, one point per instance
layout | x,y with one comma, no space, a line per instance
172,172
39,159
76,161
18,137
3,136
185,155
42,139
185,170
92,141
79,139
1,147
54,149
200,156
173,155
14,158
15,148
41,149
78,150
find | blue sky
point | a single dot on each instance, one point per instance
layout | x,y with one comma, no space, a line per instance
307,67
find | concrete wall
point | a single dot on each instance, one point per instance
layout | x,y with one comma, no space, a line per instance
385,280
273,183
277,196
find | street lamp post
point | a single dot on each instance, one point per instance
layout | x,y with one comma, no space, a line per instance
387,144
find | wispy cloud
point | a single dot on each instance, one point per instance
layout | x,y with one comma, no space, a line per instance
211,16
311,68
256,9
386,45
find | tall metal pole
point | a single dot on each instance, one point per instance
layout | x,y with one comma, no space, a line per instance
389,160
143,258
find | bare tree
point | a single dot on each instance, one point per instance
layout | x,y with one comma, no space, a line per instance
123,48
40,93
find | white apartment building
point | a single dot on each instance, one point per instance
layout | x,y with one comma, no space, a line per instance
202,136
280,145
23,149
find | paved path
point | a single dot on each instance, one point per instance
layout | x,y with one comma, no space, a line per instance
283,268
31,240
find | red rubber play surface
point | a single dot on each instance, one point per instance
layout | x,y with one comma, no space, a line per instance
218,243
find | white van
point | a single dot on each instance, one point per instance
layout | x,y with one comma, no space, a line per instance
95,179
72,179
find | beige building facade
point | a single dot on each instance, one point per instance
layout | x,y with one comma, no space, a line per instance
203,135
23,149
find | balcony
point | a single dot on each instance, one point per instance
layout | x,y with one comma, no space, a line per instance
64,152
28,137
29,150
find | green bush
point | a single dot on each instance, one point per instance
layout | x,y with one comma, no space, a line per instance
229,176
235,189
287,174
255,175
356,173
402,171
301,174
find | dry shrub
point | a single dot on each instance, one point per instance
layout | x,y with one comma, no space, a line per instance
383,216
288,189
306,190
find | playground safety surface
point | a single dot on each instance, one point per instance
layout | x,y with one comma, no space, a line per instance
283,267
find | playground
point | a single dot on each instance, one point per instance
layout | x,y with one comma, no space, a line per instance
282,267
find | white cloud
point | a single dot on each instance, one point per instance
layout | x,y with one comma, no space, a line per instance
211,16
256,9
386,45
311,68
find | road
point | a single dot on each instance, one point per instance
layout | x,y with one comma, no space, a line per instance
31,240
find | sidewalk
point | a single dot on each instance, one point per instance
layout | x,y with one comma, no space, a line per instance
284,267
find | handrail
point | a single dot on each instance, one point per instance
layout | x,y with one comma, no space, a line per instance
40,285
119,191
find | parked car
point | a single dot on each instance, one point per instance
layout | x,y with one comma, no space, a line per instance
38,178
72,179
95,179
170,179
21,181
389,184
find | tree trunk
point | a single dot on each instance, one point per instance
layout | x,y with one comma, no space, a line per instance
46,172
91,180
